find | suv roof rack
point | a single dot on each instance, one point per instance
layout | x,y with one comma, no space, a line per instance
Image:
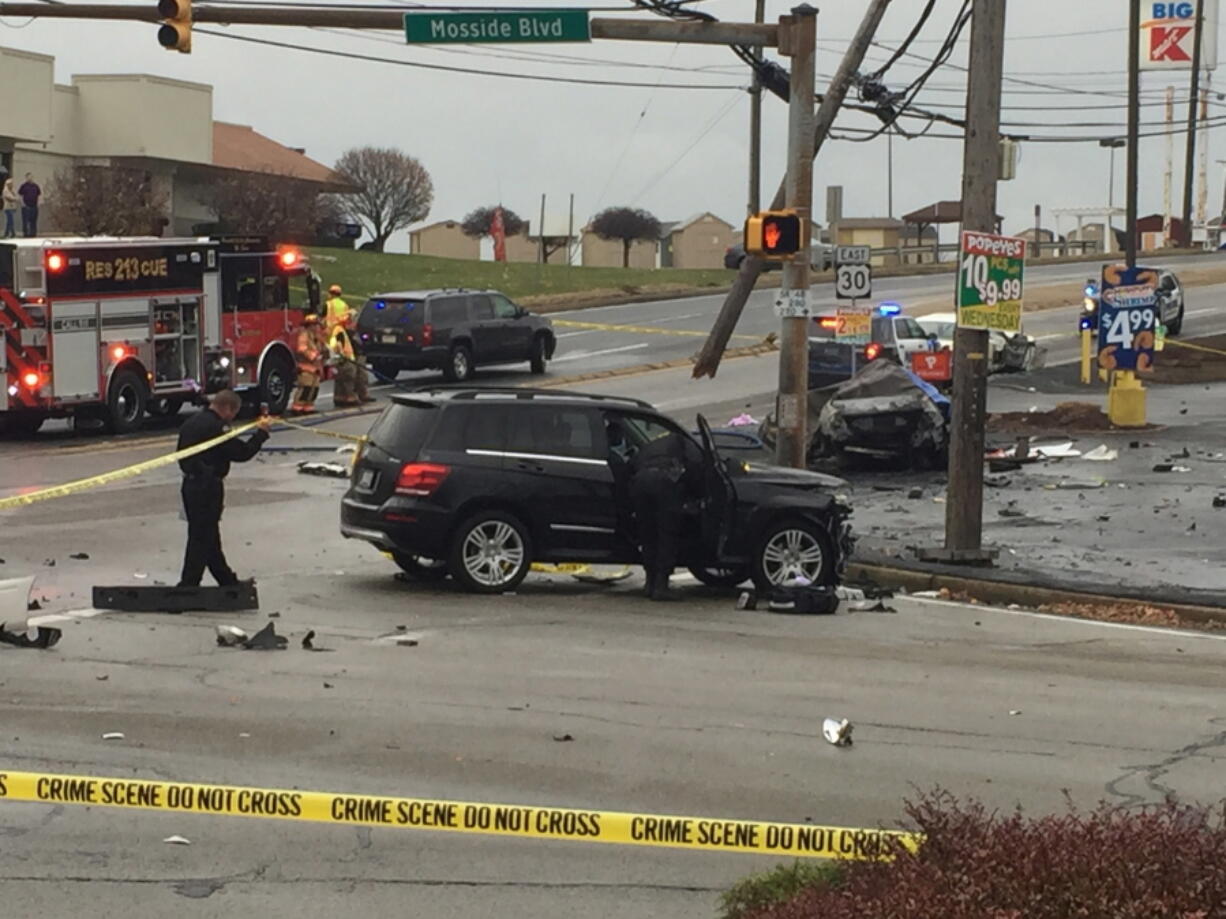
469,393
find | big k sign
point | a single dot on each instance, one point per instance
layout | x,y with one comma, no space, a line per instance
1168,31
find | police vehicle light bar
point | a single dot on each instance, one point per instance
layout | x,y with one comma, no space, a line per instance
890,308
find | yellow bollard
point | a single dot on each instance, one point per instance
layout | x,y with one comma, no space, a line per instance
1126,400
1085,357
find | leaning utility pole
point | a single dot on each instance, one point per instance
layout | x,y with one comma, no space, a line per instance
798,39
1193,103
980,170
707,362
755,124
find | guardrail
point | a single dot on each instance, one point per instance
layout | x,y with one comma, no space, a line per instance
933,252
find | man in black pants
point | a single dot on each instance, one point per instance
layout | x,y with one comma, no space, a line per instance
204,487
661,479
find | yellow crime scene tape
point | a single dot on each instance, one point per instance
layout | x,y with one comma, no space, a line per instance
639,329
1188,344
517,820
311,429
118,475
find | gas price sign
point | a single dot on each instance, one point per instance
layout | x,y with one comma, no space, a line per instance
990,282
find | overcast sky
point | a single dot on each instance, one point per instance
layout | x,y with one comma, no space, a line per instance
487,138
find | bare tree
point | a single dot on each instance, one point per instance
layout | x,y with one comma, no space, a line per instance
266,204
627,224
107,201
394,190
478,223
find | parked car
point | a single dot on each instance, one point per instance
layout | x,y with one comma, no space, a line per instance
481,483
821,257
1006,353
1170,303
454,331
895,337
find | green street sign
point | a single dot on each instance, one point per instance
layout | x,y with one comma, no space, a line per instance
990,282
502,28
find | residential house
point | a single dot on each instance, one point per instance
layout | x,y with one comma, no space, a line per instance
875,232
608,253
699,242
445,239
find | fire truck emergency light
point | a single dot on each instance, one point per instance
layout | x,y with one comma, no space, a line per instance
289,259
31,379
119,352
55,261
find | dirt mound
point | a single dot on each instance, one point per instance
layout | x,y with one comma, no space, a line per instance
1067,417
1198,360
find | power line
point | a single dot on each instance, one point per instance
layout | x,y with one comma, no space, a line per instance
719,116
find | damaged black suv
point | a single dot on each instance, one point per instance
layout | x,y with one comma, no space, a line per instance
481,483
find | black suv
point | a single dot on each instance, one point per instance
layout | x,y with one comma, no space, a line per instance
452,331
480,484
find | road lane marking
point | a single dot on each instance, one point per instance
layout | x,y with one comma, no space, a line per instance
580,355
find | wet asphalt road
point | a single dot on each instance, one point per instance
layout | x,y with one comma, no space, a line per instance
694,708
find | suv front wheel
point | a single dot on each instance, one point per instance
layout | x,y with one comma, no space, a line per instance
490,553
791,549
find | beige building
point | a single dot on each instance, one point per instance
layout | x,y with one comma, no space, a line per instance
121,120
609,253
699,242
446,239
875,232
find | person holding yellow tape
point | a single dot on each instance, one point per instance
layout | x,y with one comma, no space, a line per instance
204,490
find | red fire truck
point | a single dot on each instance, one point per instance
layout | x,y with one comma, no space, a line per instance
107,329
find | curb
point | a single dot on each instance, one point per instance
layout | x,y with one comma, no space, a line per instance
1004,593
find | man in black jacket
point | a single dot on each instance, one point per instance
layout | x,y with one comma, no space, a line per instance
204,487
662,474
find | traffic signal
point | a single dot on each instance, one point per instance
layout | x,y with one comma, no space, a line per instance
175,33
774,234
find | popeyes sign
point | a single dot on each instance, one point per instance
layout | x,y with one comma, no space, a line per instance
1168,35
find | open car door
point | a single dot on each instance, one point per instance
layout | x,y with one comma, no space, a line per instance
719,495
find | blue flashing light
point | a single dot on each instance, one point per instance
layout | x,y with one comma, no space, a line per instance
890,308
1085,324
1091,290
380,304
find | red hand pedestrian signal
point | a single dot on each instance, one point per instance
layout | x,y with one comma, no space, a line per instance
774,234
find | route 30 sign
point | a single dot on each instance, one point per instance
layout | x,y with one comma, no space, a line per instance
853,282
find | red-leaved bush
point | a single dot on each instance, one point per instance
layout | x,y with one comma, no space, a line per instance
1160,862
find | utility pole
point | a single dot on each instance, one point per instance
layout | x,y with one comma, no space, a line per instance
755,123
798,39
570,233
889,172
707,362
980,170
1168,177
1189,163
1134,129
540,239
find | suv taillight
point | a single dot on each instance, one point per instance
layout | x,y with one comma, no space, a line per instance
420,479
427,334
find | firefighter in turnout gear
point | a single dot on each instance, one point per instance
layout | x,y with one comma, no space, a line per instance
339,316
340,346
311,355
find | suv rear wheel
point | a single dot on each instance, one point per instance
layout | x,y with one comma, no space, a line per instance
790,549
490,553
387,371
459,367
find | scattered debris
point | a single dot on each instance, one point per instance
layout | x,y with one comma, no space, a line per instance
328,686
308,640
177,840
329,470
1219,501
1015,711
1004,465
266,639
139,575
995,480
1170,467
563,738
743,420
103,678
1011,512
80,556
1102,454
114,735
50,563
40,637
915,493
345,449
837,731
229,636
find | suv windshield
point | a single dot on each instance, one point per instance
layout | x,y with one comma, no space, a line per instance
382,313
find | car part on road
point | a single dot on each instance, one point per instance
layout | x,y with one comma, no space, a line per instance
491,553
327,470
161,599
266,639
